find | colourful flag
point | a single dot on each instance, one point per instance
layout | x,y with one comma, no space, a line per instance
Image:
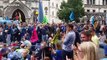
72,16
7,18
40,16
55,38
92,20
95,24
45,20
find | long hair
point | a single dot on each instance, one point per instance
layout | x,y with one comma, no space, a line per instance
89,50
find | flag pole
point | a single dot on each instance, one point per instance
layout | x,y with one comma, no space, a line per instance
40,16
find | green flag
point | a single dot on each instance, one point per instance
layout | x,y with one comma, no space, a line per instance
45,20
55,38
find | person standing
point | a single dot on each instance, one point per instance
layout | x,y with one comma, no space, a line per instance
94,37
9,33
34,37
86,51
88,46
67,42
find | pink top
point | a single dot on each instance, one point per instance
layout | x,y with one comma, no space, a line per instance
34,37
17,17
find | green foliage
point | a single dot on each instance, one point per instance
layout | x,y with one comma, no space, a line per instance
72,5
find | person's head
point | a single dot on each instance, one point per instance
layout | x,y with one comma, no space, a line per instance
85,27
12,48
22,46
87,51
23,38
35,24
16,42
75,28
92,31
9,26
43,44
58,46
4,45
86,35
33,53
33,56
25,53
46,58
69,27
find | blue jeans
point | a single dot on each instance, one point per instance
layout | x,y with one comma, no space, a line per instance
104,46
44,38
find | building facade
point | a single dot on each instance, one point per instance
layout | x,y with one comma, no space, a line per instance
27,9
97,8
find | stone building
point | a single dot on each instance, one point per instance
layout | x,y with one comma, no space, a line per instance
28,8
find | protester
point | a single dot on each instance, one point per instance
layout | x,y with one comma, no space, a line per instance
86,51
94,37
85,35
49,41
34,37
67,41
25,55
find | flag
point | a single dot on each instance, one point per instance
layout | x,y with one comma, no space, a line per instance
92,20
40,16
7,18
55,38
72,16
45,20
95,24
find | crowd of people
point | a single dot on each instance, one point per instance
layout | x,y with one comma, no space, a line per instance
36,41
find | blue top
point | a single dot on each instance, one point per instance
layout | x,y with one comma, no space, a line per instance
68,41
103,59
105,49
58,55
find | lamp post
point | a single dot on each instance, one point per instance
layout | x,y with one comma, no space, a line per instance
35,14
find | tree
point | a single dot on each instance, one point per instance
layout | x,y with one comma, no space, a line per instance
67,7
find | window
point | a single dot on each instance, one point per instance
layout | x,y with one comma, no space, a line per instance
90,1
104,2
88,10
93,10
93,2
104,11
52,13
53,4
56,5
